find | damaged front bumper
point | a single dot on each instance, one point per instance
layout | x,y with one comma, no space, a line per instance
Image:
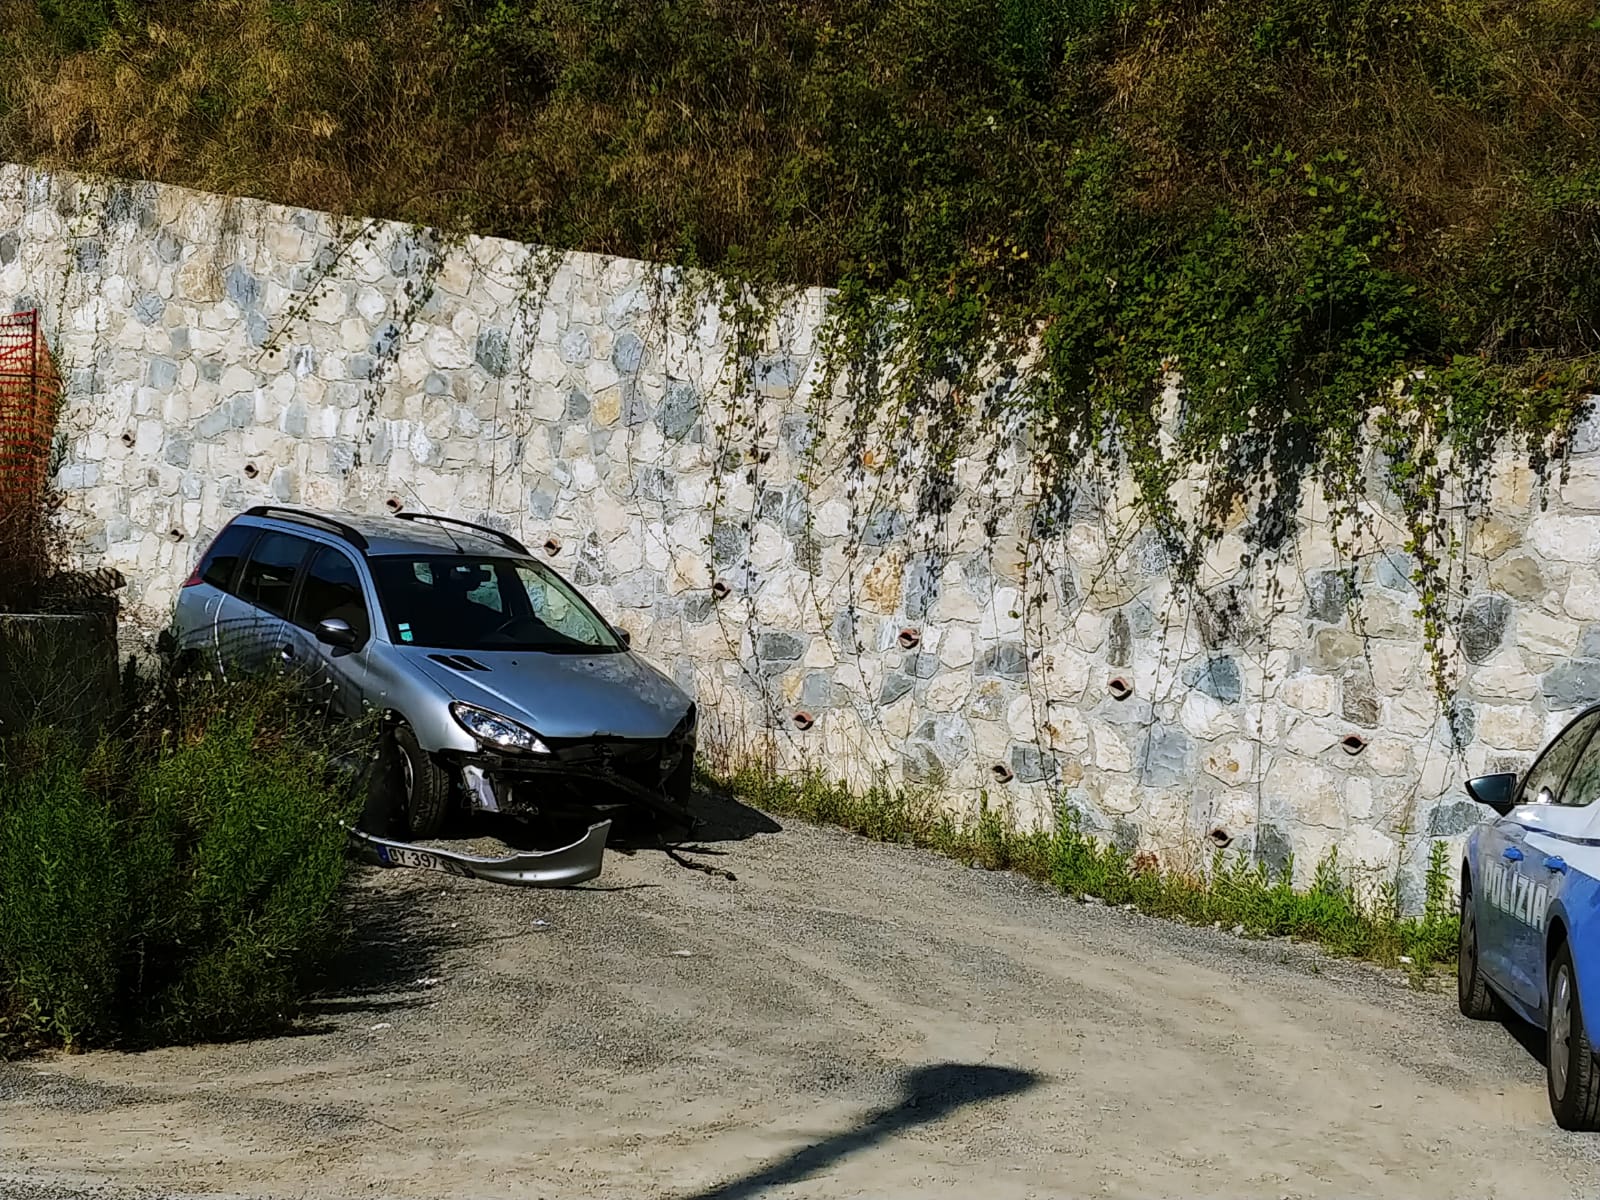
563,867
493,783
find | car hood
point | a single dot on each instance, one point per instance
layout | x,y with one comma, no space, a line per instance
560,695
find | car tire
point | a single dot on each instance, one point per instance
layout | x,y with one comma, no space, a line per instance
1571,1072
1472,989
422,786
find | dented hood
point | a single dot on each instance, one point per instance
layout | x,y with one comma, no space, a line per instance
560,695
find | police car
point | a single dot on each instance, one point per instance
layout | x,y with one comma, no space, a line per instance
1530,911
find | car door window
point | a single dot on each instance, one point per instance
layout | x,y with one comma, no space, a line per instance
332,591
1583,785
1543,783
268,579
221,562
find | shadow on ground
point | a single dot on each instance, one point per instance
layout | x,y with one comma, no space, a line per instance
393,944
927,1094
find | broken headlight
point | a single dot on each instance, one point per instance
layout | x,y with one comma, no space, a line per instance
500,732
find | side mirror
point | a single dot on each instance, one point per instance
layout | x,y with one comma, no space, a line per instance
1499,792
627,638
337,632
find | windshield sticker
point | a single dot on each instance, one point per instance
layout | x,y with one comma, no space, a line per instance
405,631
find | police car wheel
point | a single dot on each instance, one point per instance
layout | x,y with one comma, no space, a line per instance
1472,989
1571,1072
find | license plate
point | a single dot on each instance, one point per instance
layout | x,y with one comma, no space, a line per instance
408,856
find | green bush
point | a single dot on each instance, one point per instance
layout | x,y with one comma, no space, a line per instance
1231,891
178,880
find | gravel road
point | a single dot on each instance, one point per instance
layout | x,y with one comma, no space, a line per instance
841,1019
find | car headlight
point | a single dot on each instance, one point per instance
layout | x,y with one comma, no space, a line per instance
498,731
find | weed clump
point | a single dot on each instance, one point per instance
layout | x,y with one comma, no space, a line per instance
176,880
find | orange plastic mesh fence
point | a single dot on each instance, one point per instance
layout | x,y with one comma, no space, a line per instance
29,392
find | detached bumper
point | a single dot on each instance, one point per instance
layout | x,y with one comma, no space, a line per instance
564,867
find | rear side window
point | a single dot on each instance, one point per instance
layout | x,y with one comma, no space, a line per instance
332,589
269,575
221,562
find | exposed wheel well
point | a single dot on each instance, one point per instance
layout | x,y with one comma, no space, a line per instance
1555,937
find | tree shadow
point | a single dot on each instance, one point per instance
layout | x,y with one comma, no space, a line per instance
927,1094
392,946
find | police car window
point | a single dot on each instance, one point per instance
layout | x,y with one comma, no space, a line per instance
1543,784
1583,786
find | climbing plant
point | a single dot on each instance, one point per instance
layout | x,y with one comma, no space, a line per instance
1255,244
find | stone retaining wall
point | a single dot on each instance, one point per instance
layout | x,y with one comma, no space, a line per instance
223,352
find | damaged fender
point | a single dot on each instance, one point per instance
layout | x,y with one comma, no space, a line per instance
563,867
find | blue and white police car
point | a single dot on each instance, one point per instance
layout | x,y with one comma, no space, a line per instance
1530,911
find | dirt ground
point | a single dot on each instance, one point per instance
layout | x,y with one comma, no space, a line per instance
843,1019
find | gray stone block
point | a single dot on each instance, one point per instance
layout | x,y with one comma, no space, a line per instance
1119,645
169,249
241,286
1007,659
1457,816
148,308
1031,765
627,352
1274,849
1394,570
796,432
1483,625
9,245
817,691
730,541
1216,677
1328,596
177,449
777,645
436,384
88,255
895,685
493,351
1166,758
1574,683
679,411
575,346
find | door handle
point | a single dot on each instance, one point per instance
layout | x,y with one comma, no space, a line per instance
286,653
1512,853
1556,863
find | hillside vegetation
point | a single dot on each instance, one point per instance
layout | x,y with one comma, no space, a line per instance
1293,202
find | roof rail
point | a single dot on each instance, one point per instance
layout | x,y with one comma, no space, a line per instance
499,535
316,520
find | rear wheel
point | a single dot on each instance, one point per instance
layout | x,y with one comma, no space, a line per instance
1472,989
1571,1072
422,786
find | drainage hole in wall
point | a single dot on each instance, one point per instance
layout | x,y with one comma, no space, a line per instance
909,638
803,720
1220,838
552,545
1354,744
393,504
1001,773
1119,688
719,589
251,470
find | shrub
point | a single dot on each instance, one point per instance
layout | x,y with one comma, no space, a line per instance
178,880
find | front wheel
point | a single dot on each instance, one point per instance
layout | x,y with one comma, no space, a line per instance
1472,989
1571,1072
422,785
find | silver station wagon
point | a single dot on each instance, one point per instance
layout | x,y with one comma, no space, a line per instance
502,689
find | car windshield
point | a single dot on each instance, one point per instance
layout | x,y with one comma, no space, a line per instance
448,602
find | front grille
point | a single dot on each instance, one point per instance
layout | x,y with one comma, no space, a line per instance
620,753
